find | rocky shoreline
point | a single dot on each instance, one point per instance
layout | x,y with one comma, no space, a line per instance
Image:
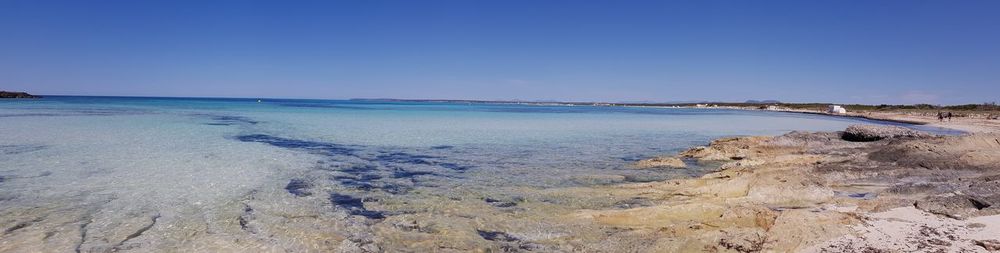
826,192
12,94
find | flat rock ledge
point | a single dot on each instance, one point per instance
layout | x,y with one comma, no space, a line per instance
11,94
816,192
865,133
660,162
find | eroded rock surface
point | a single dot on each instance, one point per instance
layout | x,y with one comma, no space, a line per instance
789,193
661,162
877,132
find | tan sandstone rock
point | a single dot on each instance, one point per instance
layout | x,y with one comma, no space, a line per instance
660,162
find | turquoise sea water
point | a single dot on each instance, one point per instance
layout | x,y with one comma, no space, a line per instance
161,174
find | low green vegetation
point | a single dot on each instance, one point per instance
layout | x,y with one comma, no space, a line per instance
850,107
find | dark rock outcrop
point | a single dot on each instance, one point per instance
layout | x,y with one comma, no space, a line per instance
979,152
865,133
11,94
990,245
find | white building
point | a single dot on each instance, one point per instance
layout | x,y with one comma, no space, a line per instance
836,109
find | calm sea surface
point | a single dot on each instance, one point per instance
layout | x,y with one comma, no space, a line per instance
96,174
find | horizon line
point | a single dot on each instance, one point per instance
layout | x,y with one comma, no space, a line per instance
496,100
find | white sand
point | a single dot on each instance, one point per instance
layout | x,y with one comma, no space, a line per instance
908,229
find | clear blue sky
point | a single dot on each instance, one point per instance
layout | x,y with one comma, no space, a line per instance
940,52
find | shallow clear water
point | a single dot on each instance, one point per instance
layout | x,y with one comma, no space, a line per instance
98,174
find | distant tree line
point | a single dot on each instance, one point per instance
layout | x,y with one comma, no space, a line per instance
992,106
966,107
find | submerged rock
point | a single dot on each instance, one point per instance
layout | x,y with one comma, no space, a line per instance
499,203
354,206
298,187
865,133
597,179
659,162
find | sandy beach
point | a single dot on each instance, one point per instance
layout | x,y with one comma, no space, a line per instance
975,124
968,122
971,122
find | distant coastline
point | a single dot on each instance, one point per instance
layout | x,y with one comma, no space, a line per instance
985,114
15,94
968,117
750,104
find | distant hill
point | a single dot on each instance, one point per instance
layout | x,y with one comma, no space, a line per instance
12,94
